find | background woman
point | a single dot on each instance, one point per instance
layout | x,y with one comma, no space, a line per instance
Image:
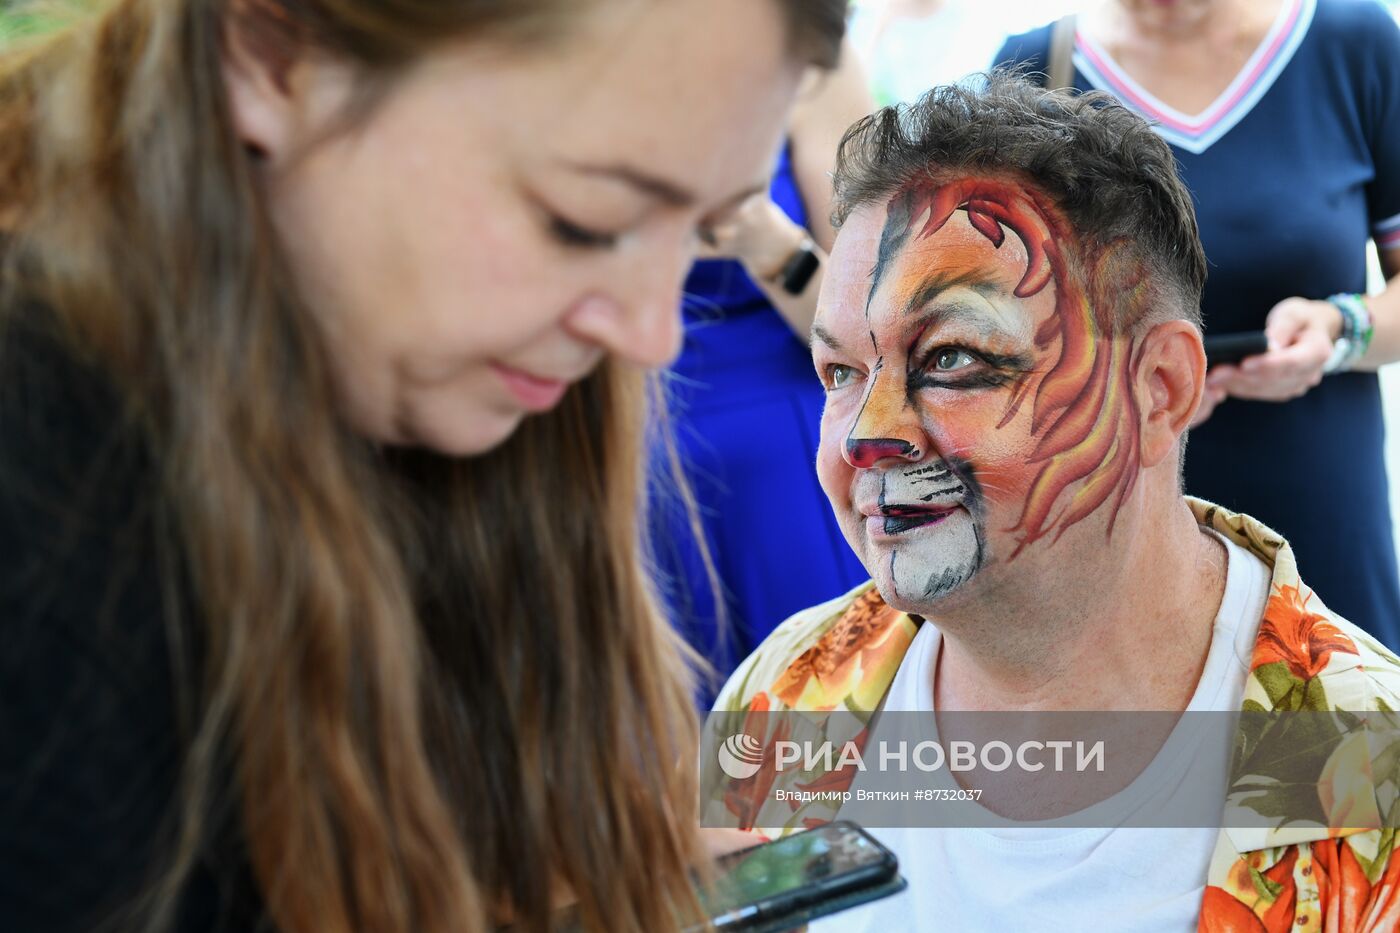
1284,116
746,404
308,622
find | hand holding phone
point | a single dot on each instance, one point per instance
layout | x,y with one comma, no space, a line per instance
1231,348
783,884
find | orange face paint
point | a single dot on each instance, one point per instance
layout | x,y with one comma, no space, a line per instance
950,349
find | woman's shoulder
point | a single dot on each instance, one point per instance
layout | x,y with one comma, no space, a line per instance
1351,14
1353,47
74,464
88,670
52,394
1351,27
79,504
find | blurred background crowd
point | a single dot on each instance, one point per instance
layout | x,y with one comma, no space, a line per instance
908,46
744,404
746,409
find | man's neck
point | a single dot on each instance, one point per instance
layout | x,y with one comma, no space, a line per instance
1132,635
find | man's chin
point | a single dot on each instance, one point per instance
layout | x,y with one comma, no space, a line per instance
923,575
932,600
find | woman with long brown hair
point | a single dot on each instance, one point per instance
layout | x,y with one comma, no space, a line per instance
321,394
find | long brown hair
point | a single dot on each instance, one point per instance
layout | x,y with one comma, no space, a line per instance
443,686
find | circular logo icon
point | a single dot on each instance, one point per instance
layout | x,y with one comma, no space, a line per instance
740,756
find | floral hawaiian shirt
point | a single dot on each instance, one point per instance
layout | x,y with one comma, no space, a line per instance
843,655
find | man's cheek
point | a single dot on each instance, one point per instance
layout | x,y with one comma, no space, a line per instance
999,468
834,474
832,468
959,428
1004,481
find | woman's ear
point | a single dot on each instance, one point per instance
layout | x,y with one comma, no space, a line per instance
259,70
1169,382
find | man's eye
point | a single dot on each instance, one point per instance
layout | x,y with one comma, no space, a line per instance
571,234
950,359
839,376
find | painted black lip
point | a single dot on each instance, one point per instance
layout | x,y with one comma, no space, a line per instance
900,519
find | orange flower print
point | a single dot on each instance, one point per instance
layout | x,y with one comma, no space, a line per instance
1301,639
852,663
745,797
1343,891
837,779
1278,916
1223,912
1382,910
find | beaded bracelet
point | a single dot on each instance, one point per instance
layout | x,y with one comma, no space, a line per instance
1357,331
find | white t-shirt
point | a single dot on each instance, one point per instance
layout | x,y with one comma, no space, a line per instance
1050,879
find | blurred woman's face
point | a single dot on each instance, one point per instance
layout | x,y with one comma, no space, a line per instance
504,219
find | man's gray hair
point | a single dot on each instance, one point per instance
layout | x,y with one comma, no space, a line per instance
1114,179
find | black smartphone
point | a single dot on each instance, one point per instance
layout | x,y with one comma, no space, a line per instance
785,883
1231,348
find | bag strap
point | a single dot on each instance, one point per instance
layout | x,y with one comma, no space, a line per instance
1061,65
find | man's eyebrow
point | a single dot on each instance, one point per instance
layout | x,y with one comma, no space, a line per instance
937,283
949,311
825,336
939,313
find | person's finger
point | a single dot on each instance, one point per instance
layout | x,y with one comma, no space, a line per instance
1268,382
1273,388
1220,374
1303,351
1308,349
723,841
1210,399
1298,364
1280,373
1270,393
1261,377
1284,327
1257,363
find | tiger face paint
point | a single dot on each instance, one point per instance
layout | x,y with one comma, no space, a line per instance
978,405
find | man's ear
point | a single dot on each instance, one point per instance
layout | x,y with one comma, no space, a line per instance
1169,382
259,63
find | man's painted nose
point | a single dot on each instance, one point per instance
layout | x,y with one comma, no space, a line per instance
864,453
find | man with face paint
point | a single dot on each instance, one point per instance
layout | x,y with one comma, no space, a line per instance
1009,338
